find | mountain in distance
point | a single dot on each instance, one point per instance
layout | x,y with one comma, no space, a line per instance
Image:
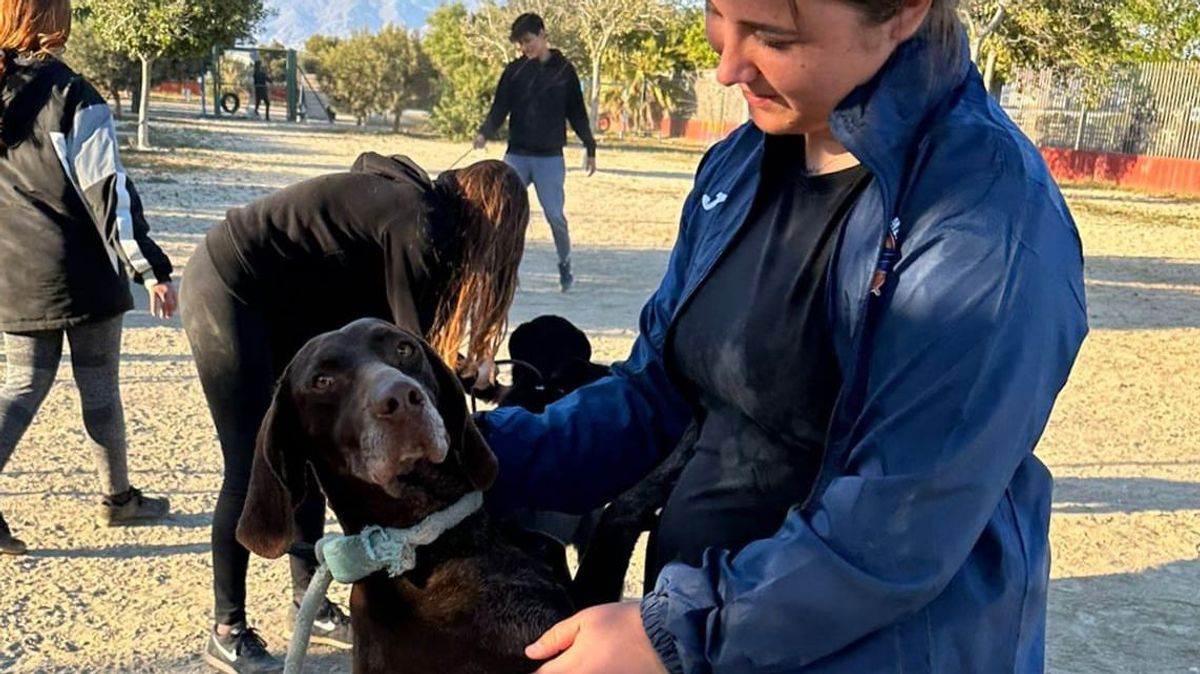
294,21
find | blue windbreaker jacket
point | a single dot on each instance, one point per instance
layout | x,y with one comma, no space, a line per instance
924,545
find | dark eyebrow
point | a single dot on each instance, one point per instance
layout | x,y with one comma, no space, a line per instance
331,357
329,363
756,26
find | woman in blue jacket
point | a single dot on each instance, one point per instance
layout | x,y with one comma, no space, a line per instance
874,299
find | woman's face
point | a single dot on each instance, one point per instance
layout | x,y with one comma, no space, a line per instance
795,60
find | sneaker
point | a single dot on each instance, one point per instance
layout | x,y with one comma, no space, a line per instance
565,278
330,628
242,651
131,508
8,544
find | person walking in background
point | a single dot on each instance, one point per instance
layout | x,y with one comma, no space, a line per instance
74,235
537,92
262,92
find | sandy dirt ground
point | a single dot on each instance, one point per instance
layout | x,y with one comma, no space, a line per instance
1124,441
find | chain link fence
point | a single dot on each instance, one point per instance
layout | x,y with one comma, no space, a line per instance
1144,109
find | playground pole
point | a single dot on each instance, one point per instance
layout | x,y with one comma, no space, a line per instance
216,70
292,89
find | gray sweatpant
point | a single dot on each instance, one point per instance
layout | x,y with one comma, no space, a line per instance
32,363
548,175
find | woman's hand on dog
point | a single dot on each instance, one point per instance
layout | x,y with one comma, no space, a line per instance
599,640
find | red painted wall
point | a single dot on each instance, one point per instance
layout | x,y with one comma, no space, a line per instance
696,129
176,87
1153,174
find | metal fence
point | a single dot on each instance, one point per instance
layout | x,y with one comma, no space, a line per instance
1144,109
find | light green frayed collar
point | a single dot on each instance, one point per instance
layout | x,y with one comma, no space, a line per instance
352,558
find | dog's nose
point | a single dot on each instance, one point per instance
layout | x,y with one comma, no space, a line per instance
397,398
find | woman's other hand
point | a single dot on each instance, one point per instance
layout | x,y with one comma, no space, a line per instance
600,640
163,300
485,375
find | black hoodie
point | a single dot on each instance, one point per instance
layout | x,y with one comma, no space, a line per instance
539,98
377,241
74,232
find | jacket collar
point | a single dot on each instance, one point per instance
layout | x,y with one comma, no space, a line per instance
881,121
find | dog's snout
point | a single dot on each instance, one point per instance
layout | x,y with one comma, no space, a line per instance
398,398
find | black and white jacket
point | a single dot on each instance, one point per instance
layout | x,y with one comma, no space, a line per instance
72,231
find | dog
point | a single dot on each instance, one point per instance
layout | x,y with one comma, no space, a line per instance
383,425
551,358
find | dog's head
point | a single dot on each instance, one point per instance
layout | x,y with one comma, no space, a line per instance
552,358
378,415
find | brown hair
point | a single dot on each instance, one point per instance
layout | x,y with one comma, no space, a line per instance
492,214
34,28
31,28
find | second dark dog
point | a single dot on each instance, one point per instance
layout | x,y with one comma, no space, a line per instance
552,358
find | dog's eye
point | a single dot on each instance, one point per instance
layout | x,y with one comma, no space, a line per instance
322,381
405,350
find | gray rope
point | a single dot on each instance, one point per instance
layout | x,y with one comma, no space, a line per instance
349,559
314,598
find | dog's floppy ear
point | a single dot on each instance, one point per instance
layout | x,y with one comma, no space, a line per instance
267,525
467,445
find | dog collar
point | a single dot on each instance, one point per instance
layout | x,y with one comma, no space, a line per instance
352,558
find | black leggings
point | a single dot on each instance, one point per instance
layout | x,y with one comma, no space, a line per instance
238,360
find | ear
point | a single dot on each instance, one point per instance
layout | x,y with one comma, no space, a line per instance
267,525
466,442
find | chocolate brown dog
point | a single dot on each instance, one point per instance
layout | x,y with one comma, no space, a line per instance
383,424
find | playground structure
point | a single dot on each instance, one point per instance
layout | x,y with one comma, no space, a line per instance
232,87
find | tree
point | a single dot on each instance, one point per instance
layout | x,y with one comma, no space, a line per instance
110,71
466,77
694,48
153,29
652,70
352,72
599,23
1087,37
407,81
1066,35
1161,30
316,53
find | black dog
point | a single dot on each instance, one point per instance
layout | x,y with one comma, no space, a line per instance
551,358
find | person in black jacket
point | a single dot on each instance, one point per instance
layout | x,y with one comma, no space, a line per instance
262,84
74,236
382,241
538,92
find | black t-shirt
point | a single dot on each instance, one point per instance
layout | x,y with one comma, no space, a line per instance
754,350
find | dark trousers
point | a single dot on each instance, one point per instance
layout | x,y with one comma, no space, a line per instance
261,96
238,360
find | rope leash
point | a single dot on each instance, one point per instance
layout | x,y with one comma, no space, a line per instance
511,361
460,158
348,559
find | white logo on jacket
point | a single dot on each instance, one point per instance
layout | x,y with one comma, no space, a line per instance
710,203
